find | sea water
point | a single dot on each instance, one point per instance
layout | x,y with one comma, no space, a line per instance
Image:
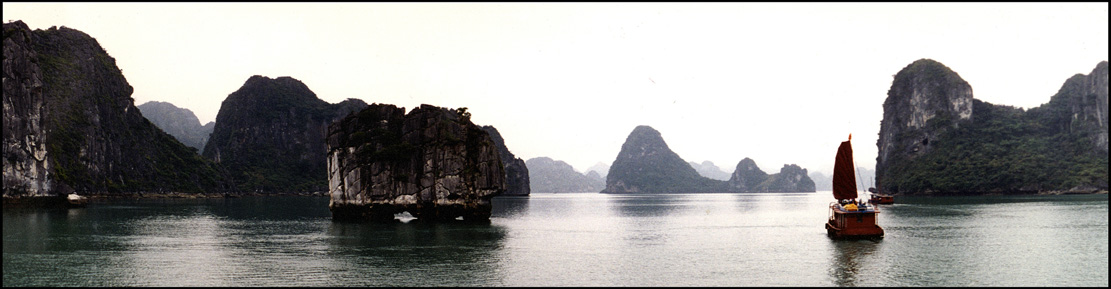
575,239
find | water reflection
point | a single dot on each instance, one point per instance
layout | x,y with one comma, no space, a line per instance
849,256
417,253
509,206
644,205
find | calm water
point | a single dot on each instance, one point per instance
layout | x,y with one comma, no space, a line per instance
563,240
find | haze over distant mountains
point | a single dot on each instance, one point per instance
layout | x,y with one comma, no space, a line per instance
178,122
709,170
551,176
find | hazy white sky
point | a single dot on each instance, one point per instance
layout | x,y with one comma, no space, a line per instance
781,83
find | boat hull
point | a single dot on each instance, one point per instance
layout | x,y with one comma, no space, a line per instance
882,200
853,225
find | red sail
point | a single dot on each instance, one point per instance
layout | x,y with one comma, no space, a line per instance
844,181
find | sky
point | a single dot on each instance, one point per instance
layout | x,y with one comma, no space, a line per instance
780,83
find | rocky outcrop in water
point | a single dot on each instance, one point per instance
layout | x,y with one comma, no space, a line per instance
790,179
552,176
178,122
516,171
747,176
936,139
432,162
63,92
646,165
270,136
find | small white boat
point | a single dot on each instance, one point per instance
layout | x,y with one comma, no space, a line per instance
77,200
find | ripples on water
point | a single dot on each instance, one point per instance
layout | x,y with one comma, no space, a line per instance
563,240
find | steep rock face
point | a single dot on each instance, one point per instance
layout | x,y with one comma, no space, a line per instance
646,165
1058,146
552,176
96,141
1080,108
26,161
516,171
747,177
178,122
710,170
270,133
923,91
432,162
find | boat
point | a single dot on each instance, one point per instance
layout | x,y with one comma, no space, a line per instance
880,199
849,218
76,200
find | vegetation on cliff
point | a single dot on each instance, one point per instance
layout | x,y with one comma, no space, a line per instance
269,136
97,139
1058,146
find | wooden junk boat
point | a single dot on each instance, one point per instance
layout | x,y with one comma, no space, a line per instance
881,199
848,217
878,198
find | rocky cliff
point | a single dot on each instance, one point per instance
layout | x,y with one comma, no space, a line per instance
270,133
62,92
27,170
516,171
552,176
432,162
990,149
181,123
1079,109
923,91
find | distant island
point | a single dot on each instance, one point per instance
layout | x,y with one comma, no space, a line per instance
646,165
935,139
